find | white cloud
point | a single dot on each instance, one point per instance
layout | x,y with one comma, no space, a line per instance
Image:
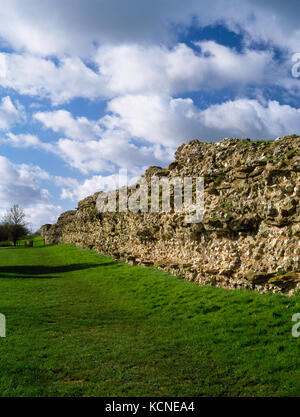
170,121
180,69
20,141
20,184
34,76
25,140
42,213
62,121
156,119
270,21
10,113
52,27
95,146
75,190
145,130
114,149
144,70
86,157
250,118
111,146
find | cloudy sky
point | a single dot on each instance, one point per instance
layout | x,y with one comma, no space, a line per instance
92,86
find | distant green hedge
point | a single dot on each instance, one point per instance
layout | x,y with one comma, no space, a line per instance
5,244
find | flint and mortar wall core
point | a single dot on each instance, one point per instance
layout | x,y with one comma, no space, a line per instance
249,236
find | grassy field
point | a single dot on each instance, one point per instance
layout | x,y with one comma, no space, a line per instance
79,324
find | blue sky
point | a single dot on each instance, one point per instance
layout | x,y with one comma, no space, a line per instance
91,87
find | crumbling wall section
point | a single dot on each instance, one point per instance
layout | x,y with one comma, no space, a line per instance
249,236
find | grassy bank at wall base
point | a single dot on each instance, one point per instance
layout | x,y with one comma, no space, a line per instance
79,324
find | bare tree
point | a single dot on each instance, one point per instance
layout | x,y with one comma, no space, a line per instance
15,215
15,223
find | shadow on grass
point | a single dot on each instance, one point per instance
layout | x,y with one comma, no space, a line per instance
41,271
39,246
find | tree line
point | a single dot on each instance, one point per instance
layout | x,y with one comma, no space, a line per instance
13,225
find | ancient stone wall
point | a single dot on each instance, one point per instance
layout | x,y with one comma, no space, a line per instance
249,236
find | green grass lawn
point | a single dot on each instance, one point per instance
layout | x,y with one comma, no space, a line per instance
79,324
